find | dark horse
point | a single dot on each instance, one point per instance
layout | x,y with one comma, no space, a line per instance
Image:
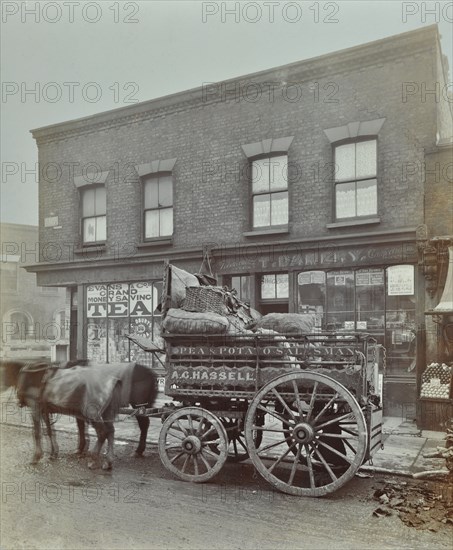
39,386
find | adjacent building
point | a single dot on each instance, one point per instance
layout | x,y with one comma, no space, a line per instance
305,185
35,321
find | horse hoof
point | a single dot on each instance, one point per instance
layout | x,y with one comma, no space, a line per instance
53,457
106,466
92,465
36,459
138,454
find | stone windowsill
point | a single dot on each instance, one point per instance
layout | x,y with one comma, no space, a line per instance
280,230
92,248
158,241
356,221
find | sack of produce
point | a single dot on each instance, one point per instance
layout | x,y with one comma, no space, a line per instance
288,323
179,321
180,281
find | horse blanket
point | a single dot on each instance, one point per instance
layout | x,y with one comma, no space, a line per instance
86,391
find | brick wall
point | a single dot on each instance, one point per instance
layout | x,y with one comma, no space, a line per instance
212,201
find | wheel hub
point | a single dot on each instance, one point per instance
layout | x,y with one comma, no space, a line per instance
303,432
191,444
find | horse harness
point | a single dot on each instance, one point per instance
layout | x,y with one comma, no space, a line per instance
35,368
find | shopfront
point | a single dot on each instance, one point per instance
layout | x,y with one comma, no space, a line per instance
345,294
119,309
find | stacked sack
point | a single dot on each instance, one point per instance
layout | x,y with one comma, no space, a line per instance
207,309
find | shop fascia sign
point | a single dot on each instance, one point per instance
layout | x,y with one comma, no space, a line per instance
270,257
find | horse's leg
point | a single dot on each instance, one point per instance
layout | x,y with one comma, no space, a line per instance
110,431
101,436
36,418
51,435
143,423
83,440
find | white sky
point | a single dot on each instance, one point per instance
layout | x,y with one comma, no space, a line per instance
169,48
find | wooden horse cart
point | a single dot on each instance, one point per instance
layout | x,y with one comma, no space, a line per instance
305,409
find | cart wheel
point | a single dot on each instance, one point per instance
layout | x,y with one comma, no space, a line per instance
237,451
193,444
316,444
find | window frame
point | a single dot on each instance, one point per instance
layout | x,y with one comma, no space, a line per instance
83,190
270,193
355,180
156,176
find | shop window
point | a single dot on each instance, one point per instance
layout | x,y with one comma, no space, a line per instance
340,300
158,206
93,214
243,286
312,295
370,300
270,191
119,309
400,329
344,300
274,286
355,179
378,301
274,293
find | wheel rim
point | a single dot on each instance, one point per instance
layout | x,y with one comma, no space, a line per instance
314,433
193,444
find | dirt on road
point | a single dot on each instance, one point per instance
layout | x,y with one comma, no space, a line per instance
63,505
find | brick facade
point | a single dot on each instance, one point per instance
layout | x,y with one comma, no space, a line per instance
205,129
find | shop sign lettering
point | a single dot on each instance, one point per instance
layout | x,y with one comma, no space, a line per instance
218,375
329,255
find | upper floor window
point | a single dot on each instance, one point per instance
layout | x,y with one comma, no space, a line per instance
158,206
355,179
270,191
93,214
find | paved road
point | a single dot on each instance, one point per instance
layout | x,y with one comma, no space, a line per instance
63,505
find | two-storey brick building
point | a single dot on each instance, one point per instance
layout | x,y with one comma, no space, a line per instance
305,183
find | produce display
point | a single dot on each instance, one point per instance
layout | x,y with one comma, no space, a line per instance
436,381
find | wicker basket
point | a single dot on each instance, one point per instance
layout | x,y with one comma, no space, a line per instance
204,298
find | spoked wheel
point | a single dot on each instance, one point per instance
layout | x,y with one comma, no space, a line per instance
237,446
314,433
193,444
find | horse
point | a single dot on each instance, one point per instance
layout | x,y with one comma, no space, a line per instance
91,394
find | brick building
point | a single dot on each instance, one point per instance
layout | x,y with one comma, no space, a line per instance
305,183
35,321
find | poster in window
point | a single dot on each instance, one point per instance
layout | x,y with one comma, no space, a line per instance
141,299
97,301
118,300
97,340
400,280
362,279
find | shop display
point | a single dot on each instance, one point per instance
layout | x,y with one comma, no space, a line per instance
436,381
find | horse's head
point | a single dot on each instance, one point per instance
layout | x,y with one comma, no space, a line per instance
9,373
